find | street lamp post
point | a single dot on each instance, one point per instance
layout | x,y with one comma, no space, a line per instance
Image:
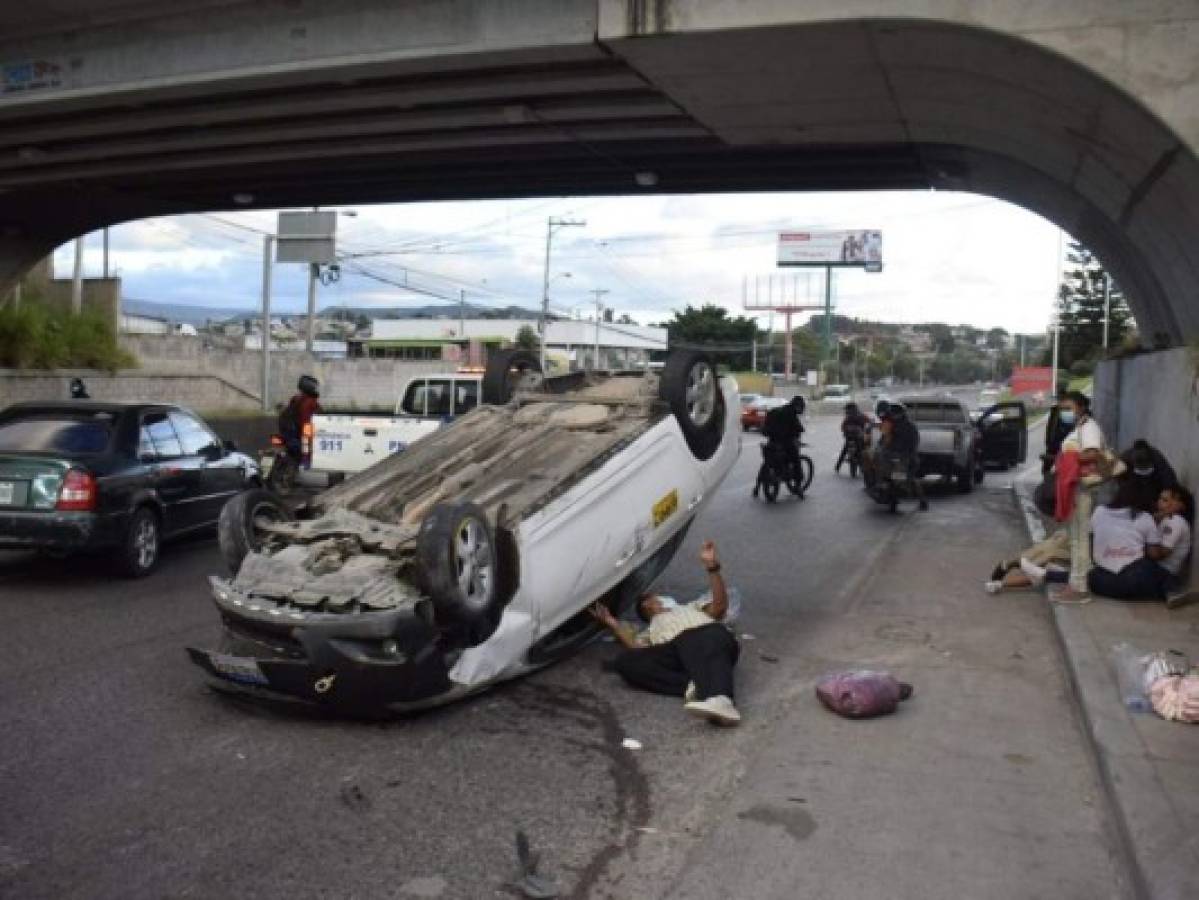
599,309
552,224
268,245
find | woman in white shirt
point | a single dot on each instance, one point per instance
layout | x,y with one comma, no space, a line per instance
1087,438
1127,547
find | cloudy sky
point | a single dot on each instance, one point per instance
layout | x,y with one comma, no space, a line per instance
957,258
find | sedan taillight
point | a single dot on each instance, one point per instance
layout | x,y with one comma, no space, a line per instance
78,492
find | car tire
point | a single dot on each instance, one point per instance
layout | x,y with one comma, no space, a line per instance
458,567
508,370
691,387
237,532
142,544
965,480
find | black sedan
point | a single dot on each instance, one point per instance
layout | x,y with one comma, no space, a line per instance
82,475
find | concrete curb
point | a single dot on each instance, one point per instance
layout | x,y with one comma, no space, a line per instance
1159,859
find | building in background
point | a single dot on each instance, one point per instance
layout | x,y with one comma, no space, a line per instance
465,342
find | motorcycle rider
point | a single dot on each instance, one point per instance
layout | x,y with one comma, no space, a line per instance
853,430
783,430
299,411
899,447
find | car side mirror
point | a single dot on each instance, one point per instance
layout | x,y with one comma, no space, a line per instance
230,446
213,452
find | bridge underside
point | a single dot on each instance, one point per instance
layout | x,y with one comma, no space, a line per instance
848,105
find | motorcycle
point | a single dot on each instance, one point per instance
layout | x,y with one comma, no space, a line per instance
856,444
776,470
280,465
898,485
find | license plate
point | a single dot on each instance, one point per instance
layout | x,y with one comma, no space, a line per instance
236,668
8,493
899,476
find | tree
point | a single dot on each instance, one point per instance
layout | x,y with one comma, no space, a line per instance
711,327
527,339
1080,308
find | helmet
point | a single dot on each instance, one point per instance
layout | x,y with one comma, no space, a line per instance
309,385
850,408
898,410
78,389
799,403
882,408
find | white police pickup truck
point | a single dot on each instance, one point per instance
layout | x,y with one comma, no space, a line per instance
345,443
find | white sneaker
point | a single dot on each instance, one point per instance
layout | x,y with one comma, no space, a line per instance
718,710
690,694
993,587
1034,572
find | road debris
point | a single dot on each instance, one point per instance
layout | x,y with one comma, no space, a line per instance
862,693
529,882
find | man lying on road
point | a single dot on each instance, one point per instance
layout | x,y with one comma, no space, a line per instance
685,651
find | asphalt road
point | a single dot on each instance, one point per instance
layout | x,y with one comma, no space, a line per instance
123,776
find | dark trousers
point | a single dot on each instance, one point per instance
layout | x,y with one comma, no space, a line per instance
1141,580
846,449
704,655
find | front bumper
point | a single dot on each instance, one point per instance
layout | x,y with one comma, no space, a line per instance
363,664
57,531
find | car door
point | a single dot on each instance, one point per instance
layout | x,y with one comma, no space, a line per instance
220,473
174,477
1004,428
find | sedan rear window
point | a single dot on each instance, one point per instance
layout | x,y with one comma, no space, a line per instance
68,435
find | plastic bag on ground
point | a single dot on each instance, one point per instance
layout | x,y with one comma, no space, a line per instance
1137,672
1176,698
862,693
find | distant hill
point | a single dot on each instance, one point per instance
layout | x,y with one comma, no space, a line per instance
432,311
200,315
181,312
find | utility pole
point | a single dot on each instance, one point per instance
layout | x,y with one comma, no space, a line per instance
552,224
77,279
313,275
1057,330
1107,306
828,312
106,252
268,246
462,313
599,309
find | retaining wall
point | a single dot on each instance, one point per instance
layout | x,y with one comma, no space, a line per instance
345,383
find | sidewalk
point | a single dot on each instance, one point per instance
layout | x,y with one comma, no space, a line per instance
1149,766
982,786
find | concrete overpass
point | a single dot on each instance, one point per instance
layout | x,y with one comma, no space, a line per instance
1086,111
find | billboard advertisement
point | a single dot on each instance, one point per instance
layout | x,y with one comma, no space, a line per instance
831,248
1032,380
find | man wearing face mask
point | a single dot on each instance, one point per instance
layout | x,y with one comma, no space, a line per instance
1149,472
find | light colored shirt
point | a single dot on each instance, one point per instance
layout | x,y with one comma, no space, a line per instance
1086,435
1175,537
1121,536
666,626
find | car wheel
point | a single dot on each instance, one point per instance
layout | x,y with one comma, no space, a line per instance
458,568
690,385
508,371
143,540
239,529
965,481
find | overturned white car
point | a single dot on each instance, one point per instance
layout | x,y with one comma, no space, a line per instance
473,556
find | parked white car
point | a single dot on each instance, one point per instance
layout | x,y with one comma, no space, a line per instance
473,557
